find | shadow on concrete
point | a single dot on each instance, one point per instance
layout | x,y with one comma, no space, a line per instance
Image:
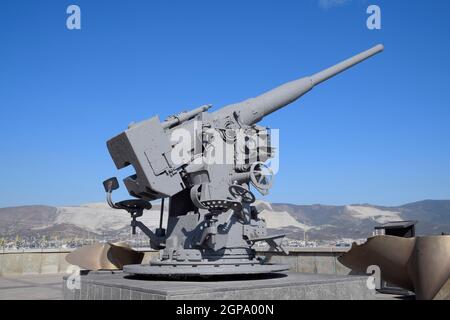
207,278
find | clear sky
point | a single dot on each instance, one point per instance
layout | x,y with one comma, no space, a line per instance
379,133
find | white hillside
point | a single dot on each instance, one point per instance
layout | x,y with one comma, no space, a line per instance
98,217
279,219
378,215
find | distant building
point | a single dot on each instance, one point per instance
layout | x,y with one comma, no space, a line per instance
404,229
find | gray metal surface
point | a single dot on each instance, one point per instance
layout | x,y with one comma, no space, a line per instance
211,211
204,270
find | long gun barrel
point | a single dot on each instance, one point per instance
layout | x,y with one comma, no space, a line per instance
253,110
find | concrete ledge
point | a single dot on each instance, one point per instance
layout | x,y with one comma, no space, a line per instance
42,261
16,251
324,261
297,286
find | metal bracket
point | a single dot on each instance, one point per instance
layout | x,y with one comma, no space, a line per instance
274,241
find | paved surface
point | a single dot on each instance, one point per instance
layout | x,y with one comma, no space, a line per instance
31,287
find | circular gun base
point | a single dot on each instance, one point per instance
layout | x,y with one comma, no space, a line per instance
203,270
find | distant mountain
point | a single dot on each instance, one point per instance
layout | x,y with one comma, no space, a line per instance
358,221
320,222
18,220
67,222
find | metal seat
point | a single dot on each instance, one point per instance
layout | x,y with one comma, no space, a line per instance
134,204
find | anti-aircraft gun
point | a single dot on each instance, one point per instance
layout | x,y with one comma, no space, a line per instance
205,164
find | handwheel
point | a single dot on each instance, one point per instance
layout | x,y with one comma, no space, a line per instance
195,197
261,176
239,192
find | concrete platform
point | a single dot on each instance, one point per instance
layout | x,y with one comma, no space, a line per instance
289,286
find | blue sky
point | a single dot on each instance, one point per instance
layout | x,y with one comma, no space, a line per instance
379,133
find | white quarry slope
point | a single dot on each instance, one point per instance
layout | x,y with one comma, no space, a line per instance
99,217
375,214
282,219
320,221
278,219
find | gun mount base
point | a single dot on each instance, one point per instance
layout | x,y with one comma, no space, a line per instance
210,269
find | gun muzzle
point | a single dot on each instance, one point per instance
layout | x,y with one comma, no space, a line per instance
253,110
